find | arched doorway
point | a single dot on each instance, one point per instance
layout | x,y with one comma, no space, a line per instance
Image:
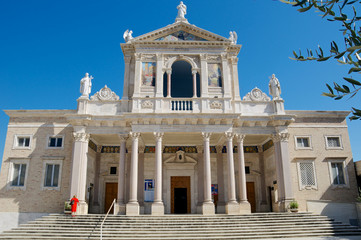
181,81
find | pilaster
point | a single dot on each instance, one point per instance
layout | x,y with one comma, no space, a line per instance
227,84
208,205
159,76
137,77
119,208
126,77
204,76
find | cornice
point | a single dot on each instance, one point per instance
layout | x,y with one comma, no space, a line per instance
38,113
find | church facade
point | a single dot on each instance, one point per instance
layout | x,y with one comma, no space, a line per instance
180,139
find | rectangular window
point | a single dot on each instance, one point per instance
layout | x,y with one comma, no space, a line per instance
337,173
18,175
55,142
333,142
52,175
303,142
307,174
22,141
113,170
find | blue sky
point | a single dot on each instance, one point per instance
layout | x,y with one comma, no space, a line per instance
47,46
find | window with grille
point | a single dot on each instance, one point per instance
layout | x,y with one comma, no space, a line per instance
333,142
303,142
307,177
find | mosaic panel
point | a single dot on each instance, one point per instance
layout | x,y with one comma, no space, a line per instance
149,149
148,73
92,145
267,145
110,149
174,149
180,36
246,149
214,75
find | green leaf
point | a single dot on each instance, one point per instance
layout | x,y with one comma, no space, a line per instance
352,81
338,98
346,88
329,88
323,59
328,95
340,89
354,70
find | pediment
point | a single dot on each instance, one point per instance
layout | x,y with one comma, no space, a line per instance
180,31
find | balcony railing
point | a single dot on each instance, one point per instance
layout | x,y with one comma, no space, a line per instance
181,105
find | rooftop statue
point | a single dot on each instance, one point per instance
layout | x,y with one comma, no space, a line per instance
182,11
274,88
86,85
128,35
233,37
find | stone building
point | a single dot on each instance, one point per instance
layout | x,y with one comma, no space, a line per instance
181,139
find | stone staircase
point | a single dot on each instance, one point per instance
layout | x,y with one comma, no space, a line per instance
253,226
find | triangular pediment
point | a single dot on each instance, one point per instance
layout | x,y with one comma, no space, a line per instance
180,31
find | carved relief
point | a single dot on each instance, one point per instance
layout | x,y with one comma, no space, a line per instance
105,94
256,95
281,137
81,137
148,57
216,105
213,58
147,104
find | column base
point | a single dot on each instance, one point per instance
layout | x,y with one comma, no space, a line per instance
82,208
232,208
119,209
208,208
244,207
157,209
132,209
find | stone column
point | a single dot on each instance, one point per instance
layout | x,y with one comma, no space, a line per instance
141,178
264,206
194,72
138,74
79,170
96,205
232,206
119,207
126,77
234,61
132,207
204,76
244,205
220,177
159,76
169,74
227,83
284,180
157,205
200,178
208,205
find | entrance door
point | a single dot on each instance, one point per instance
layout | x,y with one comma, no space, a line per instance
251,195
111,192
180,195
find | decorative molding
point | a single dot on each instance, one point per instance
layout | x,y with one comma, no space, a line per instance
105,94
256,95
147,104
81,137
216,105
123,137
214,58
174,149
148,58
280,137
92,146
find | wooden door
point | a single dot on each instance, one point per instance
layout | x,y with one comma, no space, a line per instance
251,195
180,185
111,192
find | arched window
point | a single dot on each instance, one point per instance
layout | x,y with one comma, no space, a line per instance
181,81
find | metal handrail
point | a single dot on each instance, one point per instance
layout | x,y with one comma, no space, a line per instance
106,215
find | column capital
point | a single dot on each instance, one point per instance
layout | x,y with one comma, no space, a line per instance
134,135
158,135
229,135
159,56
138,56
280,137
240,138
203,56
206,136
127,59
81,137
194,71
169,71
123,137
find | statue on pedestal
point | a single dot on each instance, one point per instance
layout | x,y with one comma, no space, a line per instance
182,11
86,85
128,35
274,88
233,37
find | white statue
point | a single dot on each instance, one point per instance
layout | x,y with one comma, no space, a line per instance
233,37
128,35
182,10
86,85
274,88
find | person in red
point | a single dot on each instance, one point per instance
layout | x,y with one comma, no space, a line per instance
74,203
